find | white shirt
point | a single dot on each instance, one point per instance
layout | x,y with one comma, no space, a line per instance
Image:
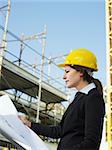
87,88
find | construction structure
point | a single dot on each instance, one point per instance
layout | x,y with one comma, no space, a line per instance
109,71
33,92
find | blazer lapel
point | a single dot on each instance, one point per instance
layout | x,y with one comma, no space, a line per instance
77,97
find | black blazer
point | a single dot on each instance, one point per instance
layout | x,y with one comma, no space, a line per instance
81,125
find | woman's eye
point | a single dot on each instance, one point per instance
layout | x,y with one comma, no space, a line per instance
66,71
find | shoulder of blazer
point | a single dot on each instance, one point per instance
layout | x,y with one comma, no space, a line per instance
97,98
94,95
94,91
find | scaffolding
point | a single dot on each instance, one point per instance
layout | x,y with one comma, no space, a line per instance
4,43
34,92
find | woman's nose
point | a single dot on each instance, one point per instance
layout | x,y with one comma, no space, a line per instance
64,76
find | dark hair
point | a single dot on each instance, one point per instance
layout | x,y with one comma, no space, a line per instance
98,85
89,78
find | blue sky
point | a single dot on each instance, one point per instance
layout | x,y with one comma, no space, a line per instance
70,24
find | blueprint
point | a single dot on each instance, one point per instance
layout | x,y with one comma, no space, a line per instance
14,128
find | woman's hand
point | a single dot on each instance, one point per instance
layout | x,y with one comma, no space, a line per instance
25,120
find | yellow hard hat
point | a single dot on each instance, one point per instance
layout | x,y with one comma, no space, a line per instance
81,57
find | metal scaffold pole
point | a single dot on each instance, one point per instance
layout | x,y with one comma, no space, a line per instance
3,45
109,70
41,73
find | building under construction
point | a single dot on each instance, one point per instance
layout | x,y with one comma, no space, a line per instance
34,91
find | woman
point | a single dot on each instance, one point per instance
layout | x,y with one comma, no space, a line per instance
82,123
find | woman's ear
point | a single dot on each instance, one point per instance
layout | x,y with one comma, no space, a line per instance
81,75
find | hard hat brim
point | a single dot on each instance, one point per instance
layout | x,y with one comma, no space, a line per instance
63,65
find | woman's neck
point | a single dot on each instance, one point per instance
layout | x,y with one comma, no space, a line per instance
81,85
